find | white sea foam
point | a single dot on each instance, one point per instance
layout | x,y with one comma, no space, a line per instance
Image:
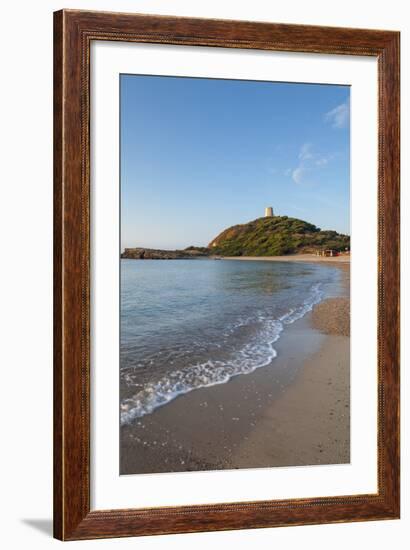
257,353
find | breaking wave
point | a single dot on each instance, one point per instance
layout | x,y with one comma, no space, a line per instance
256,353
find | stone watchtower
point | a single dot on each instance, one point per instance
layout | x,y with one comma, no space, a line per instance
268,212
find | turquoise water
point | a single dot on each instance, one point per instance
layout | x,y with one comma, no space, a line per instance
187,324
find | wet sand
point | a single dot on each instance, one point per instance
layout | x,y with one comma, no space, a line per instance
295,411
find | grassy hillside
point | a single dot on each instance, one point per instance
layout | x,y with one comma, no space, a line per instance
275,236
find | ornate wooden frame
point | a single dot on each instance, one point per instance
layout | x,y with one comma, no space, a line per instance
73,33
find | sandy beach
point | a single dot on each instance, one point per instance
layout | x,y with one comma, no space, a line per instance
343,259
293,412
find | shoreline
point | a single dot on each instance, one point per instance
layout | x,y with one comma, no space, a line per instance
307,258
295,411
311,258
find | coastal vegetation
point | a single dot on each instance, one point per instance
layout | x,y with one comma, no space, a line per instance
269,236
276,236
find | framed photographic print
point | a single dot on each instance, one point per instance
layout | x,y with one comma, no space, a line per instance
226,288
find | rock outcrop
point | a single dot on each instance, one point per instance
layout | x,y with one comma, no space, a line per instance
154,254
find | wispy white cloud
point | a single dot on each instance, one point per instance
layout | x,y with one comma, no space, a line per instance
309,161
297,174
339,116
321,161
306,152
305,157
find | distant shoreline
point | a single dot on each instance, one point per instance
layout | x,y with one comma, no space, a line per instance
291,258
343,259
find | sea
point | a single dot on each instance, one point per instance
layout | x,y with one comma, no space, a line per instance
187,324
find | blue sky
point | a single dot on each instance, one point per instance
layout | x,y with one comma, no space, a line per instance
200,155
